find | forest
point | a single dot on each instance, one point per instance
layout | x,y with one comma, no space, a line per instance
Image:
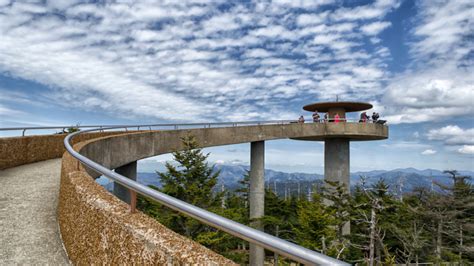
424,226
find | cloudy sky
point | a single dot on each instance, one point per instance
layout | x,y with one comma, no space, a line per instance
69,62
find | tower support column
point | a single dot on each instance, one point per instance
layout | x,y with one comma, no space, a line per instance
130,171
336,160
257,196
337,166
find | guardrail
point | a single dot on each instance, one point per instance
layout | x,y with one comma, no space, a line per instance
178,126
148,126
267,241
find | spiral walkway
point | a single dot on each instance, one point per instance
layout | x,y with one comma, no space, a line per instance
28,220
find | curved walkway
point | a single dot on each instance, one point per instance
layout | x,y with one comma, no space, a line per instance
28,221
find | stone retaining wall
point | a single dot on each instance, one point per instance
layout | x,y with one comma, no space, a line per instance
16,151
98,228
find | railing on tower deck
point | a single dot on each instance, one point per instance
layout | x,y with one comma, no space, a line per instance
267,241
178,126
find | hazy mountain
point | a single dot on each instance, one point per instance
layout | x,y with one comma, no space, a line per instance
230,175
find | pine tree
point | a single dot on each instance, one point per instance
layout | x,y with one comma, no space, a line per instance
236,208
316,226
339,205
191,180
459,230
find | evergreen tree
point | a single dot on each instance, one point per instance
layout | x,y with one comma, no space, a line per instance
316,226
339,206
191,180
236,208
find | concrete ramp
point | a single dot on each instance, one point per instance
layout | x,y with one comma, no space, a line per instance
28,205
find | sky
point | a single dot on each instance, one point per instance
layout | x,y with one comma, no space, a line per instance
67,62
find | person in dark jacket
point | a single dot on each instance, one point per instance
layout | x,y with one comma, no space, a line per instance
316,117
375,117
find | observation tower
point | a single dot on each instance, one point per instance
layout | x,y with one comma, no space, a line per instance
339,134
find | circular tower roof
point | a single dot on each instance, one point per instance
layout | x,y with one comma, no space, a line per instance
348,106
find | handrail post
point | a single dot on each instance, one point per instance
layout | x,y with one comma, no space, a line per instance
133,201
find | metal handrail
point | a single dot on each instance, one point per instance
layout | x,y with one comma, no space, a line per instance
267,241
176,126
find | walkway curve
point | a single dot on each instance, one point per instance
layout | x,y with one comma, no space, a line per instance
81,226
109,151
28,215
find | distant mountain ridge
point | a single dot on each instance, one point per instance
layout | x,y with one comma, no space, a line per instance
230,175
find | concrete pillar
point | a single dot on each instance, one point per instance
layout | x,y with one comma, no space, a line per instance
337,165
257,196
130,171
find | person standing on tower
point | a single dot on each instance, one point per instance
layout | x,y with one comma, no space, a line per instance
375,117
316,117
301,119
363,117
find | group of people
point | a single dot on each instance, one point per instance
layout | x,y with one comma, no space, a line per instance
365,118
317,118
336,119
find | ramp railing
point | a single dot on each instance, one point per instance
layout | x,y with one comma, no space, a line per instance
267,241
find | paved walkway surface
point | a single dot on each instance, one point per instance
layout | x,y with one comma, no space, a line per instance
29,232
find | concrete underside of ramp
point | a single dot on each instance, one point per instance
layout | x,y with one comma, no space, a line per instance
28,215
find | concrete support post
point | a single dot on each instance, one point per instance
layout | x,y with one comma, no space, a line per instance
337,165
257,196
130,171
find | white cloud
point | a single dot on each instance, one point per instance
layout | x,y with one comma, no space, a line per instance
180,61
452,135
6,111
258,52
312,19
466,149
376,10
406,145
220,23
446,24
303,3
325,39
428,152
440,84
4,2
375,28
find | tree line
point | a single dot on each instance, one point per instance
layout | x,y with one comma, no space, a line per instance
421,226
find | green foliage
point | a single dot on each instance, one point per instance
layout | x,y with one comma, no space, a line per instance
315,228
424,226
192,181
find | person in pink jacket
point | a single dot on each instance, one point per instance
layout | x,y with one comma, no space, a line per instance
336,118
